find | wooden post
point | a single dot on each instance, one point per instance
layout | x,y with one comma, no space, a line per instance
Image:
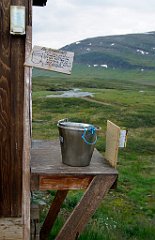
27,139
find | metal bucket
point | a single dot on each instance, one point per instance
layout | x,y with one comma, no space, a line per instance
77,142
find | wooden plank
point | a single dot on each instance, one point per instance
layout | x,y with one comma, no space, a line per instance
48,161
11,229
86,207
52,214
112,143
64,182
17,100
17,96
50,59
5,112
26,140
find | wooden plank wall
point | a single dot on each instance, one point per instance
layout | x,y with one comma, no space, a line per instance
12,57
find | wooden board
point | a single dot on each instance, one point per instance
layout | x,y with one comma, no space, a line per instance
112,143
46,160
64,182
50,59
26,140
11,229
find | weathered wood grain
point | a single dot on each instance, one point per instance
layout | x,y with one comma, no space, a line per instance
5,112
112,143
11,115
26,140
11,229
64,182
52,214
17,58
12,57
47,161
86,207
17,97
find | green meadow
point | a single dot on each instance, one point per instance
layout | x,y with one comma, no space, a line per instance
127,98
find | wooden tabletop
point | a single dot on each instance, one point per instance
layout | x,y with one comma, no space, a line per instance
46,160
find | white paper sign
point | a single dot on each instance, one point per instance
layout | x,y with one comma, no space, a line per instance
17,20
50,59
123,138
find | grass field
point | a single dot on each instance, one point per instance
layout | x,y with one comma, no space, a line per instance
127,99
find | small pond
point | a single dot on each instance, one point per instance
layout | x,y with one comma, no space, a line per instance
76,92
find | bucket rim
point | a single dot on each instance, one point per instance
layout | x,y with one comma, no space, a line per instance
65,124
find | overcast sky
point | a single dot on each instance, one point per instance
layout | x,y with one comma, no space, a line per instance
62,22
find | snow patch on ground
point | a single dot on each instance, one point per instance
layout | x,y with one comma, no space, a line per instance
104,65
142,52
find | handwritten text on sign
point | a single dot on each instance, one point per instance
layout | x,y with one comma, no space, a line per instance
50,59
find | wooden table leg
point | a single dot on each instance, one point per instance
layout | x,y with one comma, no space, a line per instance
52,214
86,207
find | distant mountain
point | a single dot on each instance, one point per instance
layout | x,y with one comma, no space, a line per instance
131,51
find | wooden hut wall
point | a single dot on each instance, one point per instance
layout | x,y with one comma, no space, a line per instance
12,57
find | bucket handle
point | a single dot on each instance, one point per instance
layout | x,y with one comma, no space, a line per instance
62,121
93,131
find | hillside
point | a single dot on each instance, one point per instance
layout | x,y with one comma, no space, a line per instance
131,51
125,61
